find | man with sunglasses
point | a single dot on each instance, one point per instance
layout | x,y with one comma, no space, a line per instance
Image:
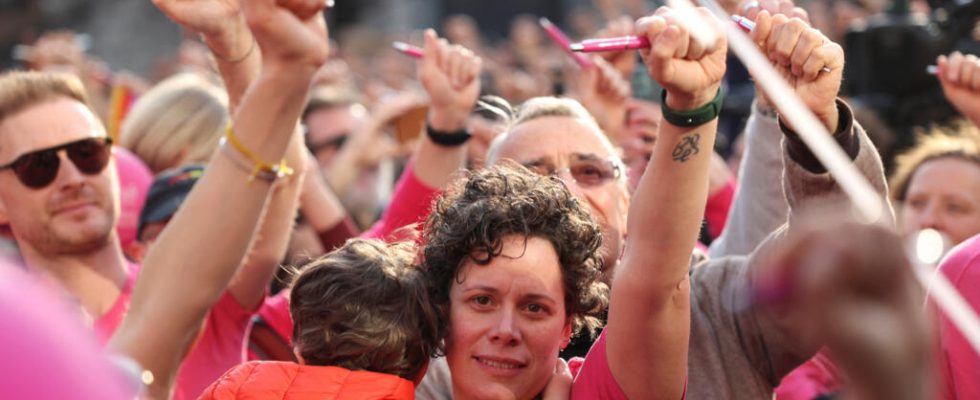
59,195
57,187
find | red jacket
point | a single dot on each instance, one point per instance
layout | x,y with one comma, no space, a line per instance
274,380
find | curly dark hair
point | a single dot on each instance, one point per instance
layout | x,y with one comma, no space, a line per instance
365,306
471,220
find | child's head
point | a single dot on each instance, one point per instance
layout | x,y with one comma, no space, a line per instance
365,306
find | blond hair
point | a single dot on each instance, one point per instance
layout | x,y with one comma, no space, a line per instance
22,89
178,121
959,140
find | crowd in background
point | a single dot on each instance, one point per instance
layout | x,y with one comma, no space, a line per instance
346,196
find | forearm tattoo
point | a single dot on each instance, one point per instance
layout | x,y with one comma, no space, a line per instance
687,148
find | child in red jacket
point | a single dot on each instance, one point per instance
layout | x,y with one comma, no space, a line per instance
364,328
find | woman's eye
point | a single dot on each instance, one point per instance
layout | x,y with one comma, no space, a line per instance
535,308
481,300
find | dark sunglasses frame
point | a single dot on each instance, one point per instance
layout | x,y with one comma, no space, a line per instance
39,168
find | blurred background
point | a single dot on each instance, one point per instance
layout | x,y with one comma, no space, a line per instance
889,44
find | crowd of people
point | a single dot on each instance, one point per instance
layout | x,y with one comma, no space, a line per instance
280,217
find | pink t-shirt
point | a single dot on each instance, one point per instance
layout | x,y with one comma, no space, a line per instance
220,346
960,365
717,208
410,204
593,379
818,376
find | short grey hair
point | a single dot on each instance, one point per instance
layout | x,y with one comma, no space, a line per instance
549,106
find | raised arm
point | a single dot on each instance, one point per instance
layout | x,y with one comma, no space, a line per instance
806,181
195,257
450,75
222,26
760,206
649,311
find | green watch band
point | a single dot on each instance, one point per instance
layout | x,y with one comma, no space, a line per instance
691,118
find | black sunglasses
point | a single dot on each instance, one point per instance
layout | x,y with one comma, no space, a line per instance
38,168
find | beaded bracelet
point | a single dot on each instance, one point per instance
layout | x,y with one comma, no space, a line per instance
268,172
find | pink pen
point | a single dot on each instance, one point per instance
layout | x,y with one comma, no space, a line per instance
611,44
636,42
562,41
746,24
408,49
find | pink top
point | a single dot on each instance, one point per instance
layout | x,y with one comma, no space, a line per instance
39,360
818,376
410,204
107,324
593,379
717,208
219,347
960,364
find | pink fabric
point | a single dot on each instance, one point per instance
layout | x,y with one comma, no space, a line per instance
593,379
135,179
274,311
410,204
107,324
716,210
220,346
818,376
960,365
46,354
